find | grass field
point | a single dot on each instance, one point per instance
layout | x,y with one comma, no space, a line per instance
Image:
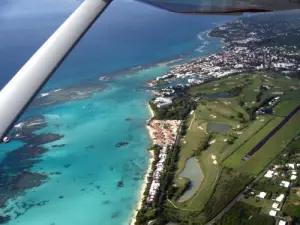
224,180
242,213
273,146
249,92
265,205
219,86
235,160
285,107
248,132
230,183
194,139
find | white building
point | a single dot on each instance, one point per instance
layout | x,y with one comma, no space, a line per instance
282,222
269,174
262,195
272,213
293,177
162,102
280,198
285,184
291,165
275,206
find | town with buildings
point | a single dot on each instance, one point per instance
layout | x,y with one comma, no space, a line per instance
248,48
163,134
283,177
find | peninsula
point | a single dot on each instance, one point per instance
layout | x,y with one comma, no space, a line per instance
237,113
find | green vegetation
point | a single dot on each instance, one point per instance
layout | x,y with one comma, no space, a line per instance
182,105
242,213
264,204
268,185
273,146
235,160
156,209
292,210
229,185
232,102
285,107
249,131
162,82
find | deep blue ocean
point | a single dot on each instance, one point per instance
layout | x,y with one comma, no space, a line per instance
129,34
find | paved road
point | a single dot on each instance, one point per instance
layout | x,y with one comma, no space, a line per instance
233,201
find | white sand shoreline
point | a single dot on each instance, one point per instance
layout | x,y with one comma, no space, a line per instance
145,182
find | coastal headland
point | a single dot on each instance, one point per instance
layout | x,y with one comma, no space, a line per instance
244,97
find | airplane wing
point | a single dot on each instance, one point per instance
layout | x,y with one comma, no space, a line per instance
223,6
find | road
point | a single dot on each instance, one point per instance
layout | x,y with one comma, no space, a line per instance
233,201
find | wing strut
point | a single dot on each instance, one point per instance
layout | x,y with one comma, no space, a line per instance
22,88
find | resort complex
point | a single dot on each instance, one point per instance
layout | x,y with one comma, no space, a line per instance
163,132
164,135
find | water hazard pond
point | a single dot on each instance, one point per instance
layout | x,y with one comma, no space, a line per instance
221,128
193,172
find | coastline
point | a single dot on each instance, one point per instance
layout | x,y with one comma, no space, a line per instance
148,172
151,156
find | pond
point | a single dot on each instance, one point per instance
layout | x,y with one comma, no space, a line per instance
221,128
193,172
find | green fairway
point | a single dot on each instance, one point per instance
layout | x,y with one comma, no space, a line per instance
192,144
250,92
235,160
246,135
285,107
220,86
273,146
231,102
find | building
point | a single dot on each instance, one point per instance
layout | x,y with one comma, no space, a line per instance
269,174
272,213
262,195
290,165
282,222
275,206
293,177
285,184
280,198
162,102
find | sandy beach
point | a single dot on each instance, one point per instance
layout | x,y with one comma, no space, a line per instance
151,111
143,188
144,185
